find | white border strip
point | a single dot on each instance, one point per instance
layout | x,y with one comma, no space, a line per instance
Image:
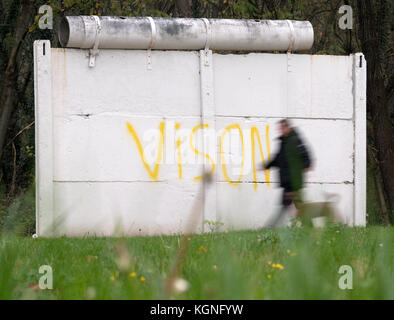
208,117
43,137
360,139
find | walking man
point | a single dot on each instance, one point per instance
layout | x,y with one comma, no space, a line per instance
292,160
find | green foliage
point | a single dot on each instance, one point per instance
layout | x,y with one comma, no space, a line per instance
287,263
244,9
8,254
374,216
19,217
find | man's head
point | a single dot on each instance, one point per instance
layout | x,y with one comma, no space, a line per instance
284,127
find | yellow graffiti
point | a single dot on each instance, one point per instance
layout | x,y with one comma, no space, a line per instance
179,153
227,129
155,173
206,155
267,141
255,132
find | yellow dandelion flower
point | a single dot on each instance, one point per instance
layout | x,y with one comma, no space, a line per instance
293,254
133,274
278,266
269,262
142,279
288,251
112,278
202,249
269,276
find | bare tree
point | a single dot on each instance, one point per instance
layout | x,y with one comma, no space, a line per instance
374,17
8,90
184,8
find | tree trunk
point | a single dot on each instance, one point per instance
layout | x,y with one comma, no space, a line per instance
8,92
184,8
372,42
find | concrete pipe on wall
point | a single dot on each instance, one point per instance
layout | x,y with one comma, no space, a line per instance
85,32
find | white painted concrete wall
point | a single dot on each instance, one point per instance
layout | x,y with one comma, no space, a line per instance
90,175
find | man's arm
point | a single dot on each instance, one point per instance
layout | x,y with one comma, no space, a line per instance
272,163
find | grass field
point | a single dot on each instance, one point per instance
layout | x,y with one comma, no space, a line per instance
286,263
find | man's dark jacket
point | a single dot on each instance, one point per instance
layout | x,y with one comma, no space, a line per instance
292,159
